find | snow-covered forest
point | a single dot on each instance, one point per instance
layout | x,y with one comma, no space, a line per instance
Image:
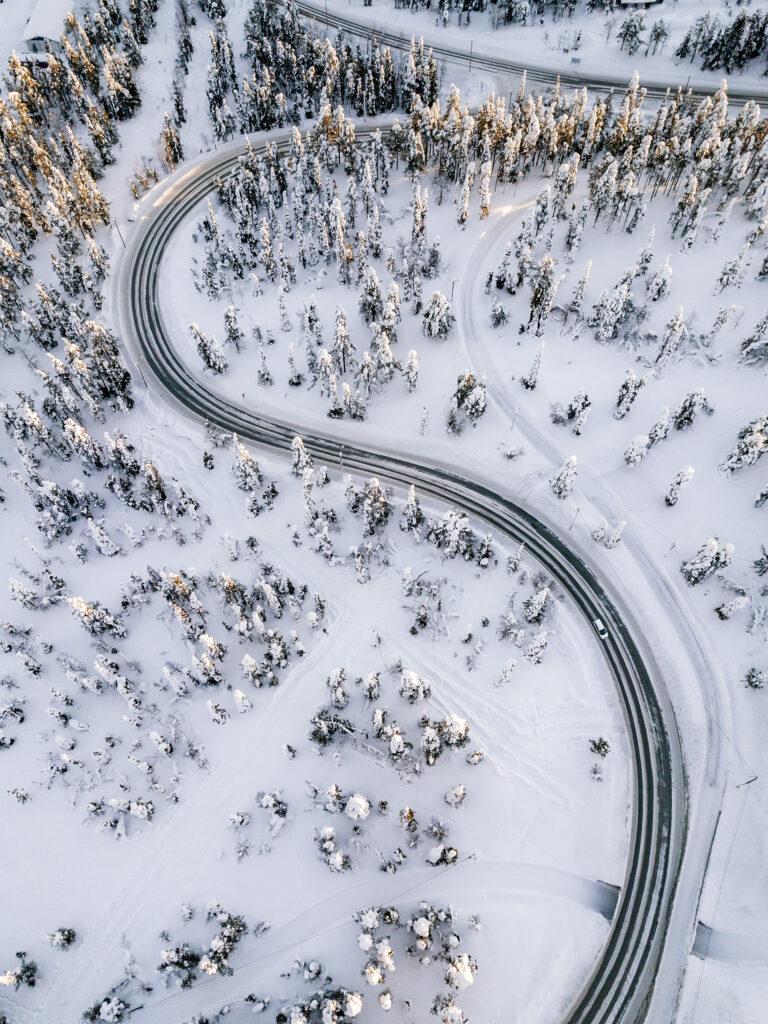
284,732
730,36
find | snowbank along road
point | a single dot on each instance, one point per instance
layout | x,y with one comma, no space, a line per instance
620,985
514,66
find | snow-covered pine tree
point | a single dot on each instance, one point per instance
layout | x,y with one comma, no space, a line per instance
438,318
680,480
710,557
628,392
301,460
671,340
692,404
245,468
563,481
531,379
170,143
636,450
534,651
233,333
285,320
754,349
371,301
576,304
660,429
536,606
209,350
733,270
411,516
658,284
411,371
376,507
544,285
752,443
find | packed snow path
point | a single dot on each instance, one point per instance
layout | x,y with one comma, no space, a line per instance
622,980
590,78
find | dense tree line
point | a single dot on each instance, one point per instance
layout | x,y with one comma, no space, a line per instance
731,46
296,72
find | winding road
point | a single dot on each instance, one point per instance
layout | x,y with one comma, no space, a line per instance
513,66
622,980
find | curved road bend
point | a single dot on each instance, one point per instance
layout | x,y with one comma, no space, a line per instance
619,987
515,66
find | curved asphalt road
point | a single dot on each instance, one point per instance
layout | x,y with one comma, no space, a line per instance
515,66
619,987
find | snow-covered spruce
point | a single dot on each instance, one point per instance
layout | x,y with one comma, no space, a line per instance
711,557
562,483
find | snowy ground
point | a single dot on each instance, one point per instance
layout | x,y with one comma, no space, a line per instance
536,835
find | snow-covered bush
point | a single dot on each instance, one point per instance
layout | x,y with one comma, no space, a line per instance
452,535
232,928
460,972
357,807
468,403
24,974
449,733
412,687
109,1010
327,1006
181,961
62,938
336,859
456,796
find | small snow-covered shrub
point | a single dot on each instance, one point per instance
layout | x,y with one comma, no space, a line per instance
62,938
111,1009
450,733
357,807
755,679
24,974
456,796
232,928
182,961
336,859
412,687
461,971
326,726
